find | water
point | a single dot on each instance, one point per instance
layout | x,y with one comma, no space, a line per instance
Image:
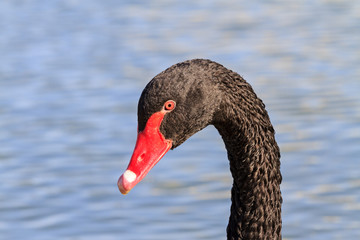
70,77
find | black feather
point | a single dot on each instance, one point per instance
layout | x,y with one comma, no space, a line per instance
208,93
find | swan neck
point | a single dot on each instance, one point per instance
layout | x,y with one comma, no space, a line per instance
254,158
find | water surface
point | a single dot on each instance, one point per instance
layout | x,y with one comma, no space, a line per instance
70,77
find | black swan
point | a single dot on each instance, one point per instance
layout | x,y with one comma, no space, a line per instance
187,97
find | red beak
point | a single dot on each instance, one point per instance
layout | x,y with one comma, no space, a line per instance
150,147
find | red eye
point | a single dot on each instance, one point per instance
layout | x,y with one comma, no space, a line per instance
169,105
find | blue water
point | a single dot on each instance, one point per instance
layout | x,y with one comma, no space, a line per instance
71,74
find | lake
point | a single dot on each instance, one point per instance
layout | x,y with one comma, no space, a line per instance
71,74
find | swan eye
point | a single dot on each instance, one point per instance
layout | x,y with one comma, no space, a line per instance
169,105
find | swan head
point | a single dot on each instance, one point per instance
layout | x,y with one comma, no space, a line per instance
174,105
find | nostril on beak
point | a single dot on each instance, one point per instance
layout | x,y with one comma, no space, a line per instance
141,157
